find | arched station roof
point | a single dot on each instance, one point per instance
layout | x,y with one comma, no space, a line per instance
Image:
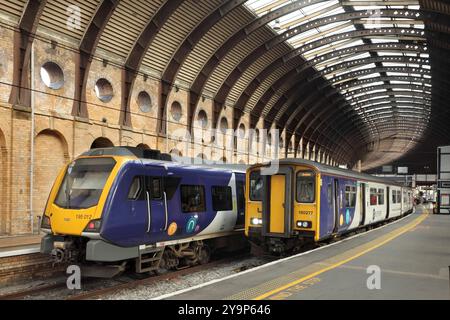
357,79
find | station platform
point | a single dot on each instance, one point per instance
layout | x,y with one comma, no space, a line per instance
412,255
20,245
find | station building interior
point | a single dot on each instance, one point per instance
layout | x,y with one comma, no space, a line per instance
359,84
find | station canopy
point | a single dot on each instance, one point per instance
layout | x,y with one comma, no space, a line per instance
375,53
349,79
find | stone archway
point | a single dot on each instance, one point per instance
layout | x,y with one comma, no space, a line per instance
3,186
102,143
50,156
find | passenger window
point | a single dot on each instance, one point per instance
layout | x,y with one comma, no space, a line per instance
350,196
306,181
256,186
156,188
192,199
135,189
222,198
380,197
330,195
171,185
373,197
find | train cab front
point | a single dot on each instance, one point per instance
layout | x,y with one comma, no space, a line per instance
282,207
73,215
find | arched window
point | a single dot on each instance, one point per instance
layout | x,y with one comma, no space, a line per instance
176,111
202,119
224,125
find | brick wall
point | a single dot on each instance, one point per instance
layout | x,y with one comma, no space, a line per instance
27,267
60,137
50,156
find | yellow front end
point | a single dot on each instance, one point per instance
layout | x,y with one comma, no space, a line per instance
74,221
305,215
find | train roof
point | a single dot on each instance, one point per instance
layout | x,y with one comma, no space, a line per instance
323,168
155,156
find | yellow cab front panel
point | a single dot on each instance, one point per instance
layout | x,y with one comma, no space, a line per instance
300,186
72,217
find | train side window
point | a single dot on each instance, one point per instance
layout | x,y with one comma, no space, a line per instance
192,198
135,189
399,196
306,182
256,186
156,188
221,198
171,185
350,196
330,195
380,197
373,197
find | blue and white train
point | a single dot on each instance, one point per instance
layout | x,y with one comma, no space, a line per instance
113,206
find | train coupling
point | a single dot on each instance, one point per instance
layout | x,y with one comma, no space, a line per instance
64,252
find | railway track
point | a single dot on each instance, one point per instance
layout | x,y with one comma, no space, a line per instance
97,293
39,289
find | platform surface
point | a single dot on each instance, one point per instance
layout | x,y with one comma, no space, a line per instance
412,255
20,245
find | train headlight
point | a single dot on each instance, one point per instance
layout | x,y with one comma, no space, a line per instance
45,223
304,224
256,221
93,226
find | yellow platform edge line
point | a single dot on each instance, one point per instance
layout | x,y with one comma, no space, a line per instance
397,233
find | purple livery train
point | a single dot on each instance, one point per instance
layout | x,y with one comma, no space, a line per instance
119,207
314,202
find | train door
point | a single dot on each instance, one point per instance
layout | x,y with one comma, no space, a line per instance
137,207
362,203
156,200
336,205
240,194
388,202
277,204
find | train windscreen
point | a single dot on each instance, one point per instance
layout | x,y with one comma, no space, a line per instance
306,182
84,182
256,186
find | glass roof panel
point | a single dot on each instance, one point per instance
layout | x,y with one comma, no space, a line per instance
402,25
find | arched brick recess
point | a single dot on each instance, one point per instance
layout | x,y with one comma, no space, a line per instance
143,146
50,155
102,143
